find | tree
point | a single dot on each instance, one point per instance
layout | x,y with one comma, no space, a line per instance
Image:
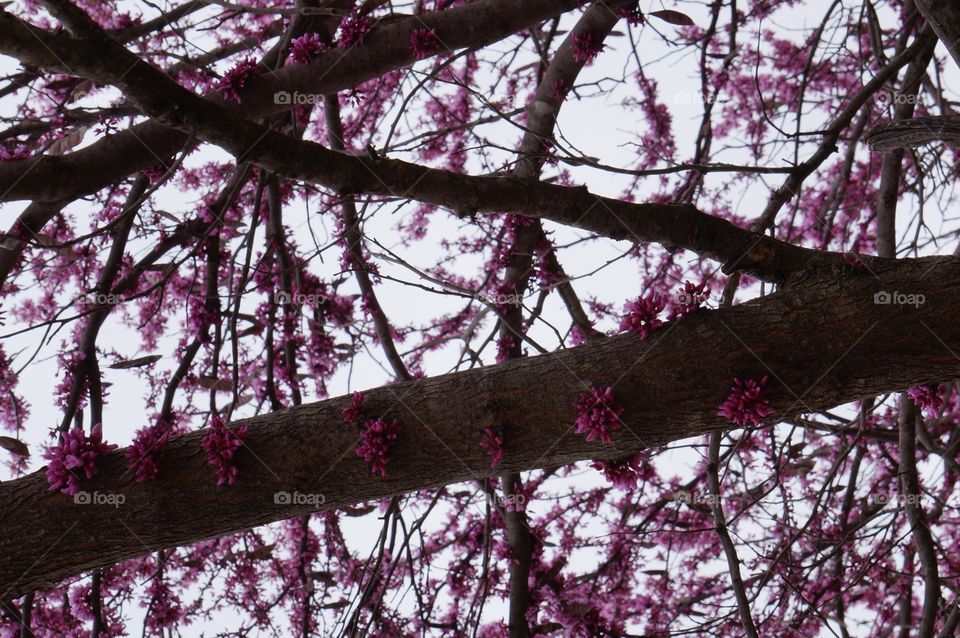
354,333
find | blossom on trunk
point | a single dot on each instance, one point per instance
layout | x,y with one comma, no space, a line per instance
423,43
378,438
493,443
221,444
586,47
235,79
641,315
143,455
352,412
746,404
598,415
77,452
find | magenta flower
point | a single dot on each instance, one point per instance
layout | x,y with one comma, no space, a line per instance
378,438
76,452
235,79
493,443
423,43
689,300
19,152
641,315
221,444
352,31
598,415
586,47
559,90
927,397
143,455
352,412
746,403
634,16
625,472
304,48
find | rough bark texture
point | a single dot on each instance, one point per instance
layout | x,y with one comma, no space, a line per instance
823,341
48,178
672,225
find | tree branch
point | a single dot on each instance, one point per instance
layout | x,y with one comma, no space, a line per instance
669,385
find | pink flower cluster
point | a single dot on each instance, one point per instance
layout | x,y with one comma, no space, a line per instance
143,455
634,16
623,473
927,397
689,300
746,404
423,43
352,412
304,48
235,79
586,47
641,315
598,415
378,438
76,451
493,443
19,152
221,444
353,29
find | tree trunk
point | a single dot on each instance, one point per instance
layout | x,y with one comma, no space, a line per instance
823,341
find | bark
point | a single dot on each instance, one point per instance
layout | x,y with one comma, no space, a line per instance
823,341
944,17
47,178
915,132
672,225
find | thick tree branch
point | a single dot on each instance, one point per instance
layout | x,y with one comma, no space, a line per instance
944,17
673,225
145,145
669,385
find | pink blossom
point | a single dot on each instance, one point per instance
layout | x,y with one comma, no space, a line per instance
19,152
235,79
597,414
927,397
76,451
586,47
559,90
221,444
634,16
746,403
624,473
689,299
352,412
493,443
423,43
378,437
353,29
641,315
304,48
143,455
